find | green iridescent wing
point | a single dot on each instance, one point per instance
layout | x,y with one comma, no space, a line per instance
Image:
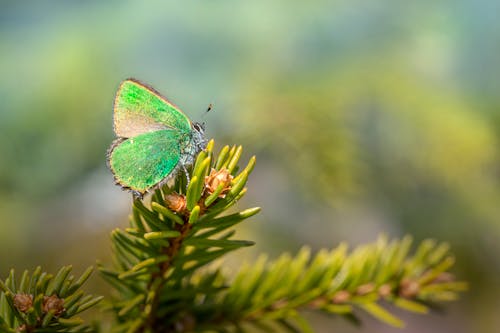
143,161
140,109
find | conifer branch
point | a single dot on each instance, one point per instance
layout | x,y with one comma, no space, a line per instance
42,302
171,238
338,283
163,284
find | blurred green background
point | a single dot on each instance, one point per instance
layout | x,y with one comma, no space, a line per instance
366,117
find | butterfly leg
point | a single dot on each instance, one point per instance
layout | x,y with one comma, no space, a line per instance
186,173
137,195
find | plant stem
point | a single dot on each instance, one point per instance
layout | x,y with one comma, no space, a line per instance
171,251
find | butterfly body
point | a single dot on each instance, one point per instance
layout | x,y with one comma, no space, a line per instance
155,139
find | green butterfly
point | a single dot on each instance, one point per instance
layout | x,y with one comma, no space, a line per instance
155,139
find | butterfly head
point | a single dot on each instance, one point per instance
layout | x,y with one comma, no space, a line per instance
199,127
198,136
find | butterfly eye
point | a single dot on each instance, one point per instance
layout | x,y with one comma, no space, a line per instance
199,127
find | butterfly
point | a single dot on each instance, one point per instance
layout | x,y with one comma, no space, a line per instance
155,139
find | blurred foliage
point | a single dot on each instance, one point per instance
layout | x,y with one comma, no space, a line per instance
391,106
413,150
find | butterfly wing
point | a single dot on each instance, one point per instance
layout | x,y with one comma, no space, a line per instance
140,109
143,161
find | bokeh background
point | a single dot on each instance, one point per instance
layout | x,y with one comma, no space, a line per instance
366,118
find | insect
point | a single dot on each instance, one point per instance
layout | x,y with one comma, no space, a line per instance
155,139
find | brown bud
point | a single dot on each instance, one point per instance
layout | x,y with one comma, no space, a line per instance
216,178
53,303
408,288
23,302
176,202
365,289
318,303
279,304
384,290
341,296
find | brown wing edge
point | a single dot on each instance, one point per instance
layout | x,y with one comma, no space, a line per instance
137,194
148,87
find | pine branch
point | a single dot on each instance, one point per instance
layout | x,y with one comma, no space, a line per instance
336,282
43,302
163,284
171,238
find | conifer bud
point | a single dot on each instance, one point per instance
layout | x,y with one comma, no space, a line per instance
53,303
365,289
408,288
23,302
216,178
385,290
341,296
176,202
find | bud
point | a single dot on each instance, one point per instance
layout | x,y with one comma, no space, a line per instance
216,178
385,290
408,288
176,202
53,303
318,303
23,302
341,296
365,289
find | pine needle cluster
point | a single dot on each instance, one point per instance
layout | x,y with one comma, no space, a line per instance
42,302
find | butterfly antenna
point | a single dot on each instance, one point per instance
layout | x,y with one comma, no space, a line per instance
209,108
